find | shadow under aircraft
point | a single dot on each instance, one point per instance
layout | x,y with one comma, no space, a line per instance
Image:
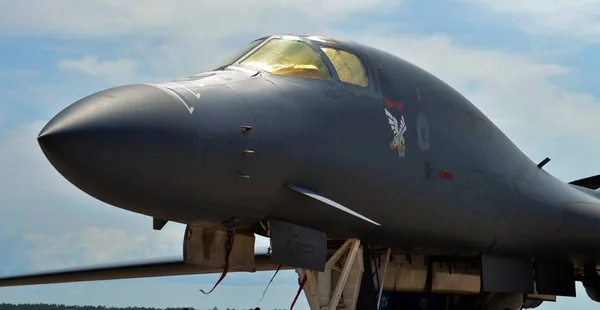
378,183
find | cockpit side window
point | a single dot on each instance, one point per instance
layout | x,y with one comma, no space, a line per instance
231,59
288,58
349,67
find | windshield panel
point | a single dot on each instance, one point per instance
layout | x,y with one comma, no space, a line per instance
288,58
231,59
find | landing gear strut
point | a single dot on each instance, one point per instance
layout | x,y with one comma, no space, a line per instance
343,272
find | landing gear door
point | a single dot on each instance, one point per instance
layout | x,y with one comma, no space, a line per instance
298,246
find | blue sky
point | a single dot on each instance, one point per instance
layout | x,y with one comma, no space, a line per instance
531,66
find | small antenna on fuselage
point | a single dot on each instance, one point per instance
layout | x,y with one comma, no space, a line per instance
543,162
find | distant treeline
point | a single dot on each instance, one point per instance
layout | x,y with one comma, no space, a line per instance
4,306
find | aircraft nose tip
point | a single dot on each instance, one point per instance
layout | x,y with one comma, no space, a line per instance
45,136
124,145
49,136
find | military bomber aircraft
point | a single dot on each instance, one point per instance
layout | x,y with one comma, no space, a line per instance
373,179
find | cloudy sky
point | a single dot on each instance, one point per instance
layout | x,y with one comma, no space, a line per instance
531,66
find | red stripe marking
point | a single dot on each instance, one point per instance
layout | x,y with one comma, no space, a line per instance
394,104
446,175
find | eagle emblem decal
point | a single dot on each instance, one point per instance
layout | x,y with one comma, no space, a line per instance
398,127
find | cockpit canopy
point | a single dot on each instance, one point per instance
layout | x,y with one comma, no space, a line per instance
290,56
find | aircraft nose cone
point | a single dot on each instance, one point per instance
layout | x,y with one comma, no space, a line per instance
132,146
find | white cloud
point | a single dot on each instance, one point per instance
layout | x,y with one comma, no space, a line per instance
197,19
566,18
105,245
24,168
99,68
101,245
192,35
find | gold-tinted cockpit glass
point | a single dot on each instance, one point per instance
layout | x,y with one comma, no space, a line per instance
288,58
348,66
